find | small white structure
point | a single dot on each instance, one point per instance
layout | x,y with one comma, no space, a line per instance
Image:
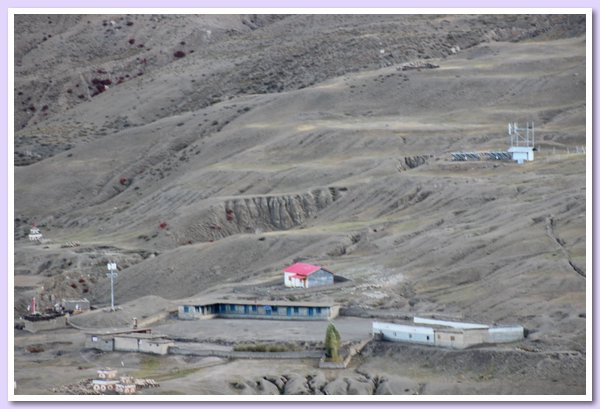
100,385
521,153
34,234
76,306
112,274
106,373
521,143
125,389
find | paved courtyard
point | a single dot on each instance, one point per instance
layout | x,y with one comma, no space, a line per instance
243,330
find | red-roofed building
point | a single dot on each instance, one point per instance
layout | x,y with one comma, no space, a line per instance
304,275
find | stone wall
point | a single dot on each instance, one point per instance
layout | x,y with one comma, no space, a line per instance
246,354
55,323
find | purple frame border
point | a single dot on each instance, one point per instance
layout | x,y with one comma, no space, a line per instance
4,171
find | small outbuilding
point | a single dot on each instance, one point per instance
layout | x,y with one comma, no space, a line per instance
146,343
521,154
73,305
302,275
105,340
35,234
107,373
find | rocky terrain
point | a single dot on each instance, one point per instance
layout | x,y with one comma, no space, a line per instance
204,153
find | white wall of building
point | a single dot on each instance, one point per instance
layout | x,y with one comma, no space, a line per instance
506,334
290,281
404,333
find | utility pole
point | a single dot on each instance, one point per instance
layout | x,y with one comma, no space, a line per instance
112,273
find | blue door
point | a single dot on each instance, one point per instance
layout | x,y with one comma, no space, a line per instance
246,309
311,311
289,310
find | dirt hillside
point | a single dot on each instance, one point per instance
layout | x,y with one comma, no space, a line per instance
206,153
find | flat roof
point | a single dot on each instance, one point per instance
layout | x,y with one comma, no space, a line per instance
451,324
113,331
144,336
402,327
278,303
153,337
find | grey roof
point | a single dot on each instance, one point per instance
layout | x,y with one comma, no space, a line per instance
279,303
404,328
117,331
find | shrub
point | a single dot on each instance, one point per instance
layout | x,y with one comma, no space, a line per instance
332,343
179,54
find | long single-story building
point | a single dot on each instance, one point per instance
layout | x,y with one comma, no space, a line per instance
302,275
275,310
448,334
129,340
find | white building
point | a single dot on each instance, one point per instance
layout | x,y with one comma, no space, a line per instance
448,334
34,234
521,154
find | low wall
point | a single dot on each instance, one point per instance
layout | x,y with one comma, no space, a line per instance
352,350
246,354
55,323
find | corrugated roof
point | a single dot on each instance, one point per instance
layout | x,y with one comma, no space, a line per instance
302,269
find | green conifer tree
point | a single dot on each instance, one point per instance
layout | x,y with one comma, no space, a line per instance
332,343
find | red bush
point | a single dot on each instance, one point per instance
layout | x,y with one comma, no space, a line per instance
131,40
179,54
124,181
163,225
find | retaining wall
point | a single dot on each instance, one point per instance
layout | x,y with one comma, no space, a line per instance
246,354
353,350
35,326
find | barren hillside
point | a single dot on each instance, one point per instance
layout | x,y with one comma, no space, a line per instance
206,153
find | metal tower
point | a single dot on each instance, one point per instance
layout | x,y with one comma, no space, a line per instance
517,138
112,273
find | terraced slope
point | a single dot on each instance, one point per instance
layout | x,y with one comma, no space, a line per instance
289,138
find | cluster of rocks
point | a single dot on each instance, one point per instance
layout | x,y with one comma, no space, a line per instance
318,384
416,65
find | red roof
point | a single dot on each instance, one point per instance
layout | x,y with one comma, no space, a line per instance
301,269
